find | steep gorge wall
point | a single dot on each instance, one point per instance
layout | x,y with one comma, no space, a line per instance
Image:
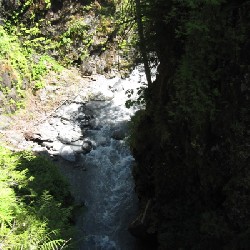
36,35
191,143
70,31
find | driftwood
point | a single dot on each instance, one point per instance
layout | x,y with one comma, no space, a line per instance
139,226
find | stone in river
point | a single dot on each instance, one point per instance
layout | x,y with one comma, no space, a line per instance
68,154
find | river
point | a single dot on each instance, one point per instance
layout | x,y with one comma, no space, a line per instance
104,182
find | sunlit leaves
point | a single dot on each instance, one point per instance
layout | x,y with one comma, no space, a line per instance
28,220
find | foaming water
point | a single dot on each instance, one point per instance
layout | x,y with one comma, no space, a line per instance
108,188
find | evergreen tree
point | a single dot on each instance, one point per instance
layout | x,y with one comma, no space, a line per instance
191,141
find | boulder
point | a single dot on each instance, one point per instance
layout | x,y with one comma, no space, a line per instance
87,68
77,148
68,135
104,95
68,154
87,146
57,146
118,134
47,132
120,131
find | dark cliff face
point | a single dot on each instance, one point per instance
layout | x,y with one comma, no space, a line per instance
190,143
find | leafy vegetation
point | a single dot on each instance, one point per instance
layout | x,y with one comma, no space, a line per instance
191,142
13,70
21,69
77,31
34,32
35,204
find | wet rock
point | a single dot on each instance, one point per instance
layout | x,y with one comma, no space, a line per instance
77,148
81,116
57,145
68,154
101,96
83,120
94,124
87,146
48,145
85,124
48,132
120,130
118,134
68,135
77,143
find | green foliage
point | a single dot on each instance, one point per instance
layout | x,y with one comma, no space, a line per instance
128,37
137,98
10,50
68,38
191,143
29,25
21,68
14,70
78,34
134,126
41,68
32,214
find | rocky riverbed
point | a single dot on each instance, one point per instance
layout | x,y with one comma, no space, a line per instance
83,127
56,118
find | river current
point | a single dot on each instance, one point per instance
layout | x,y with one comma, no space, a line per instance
106,188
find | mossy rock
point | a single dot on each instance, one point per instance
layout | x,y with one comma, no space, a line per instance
10,91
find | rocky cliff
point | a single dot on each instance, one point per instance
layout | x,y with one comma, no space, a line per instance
36,36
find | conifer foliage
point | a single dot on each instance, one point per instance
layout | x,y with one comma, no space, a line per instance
192,141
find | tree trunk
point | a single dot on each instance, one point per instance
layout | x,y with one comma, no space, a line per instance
142,41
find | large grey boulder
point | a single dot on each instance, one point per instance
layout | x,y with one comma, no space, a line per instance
67,135
68,154
47,132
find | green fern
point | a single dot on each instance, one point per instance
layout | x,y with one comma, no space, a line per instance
29,219
53,245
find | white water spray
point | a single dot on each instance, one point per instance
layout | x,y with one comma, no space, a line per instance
109,190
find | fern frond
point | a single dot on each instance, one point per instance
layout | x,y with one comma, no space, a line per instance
53,245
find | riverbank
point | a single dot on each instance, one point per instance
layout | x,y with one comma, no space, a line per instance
83,129
40,105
